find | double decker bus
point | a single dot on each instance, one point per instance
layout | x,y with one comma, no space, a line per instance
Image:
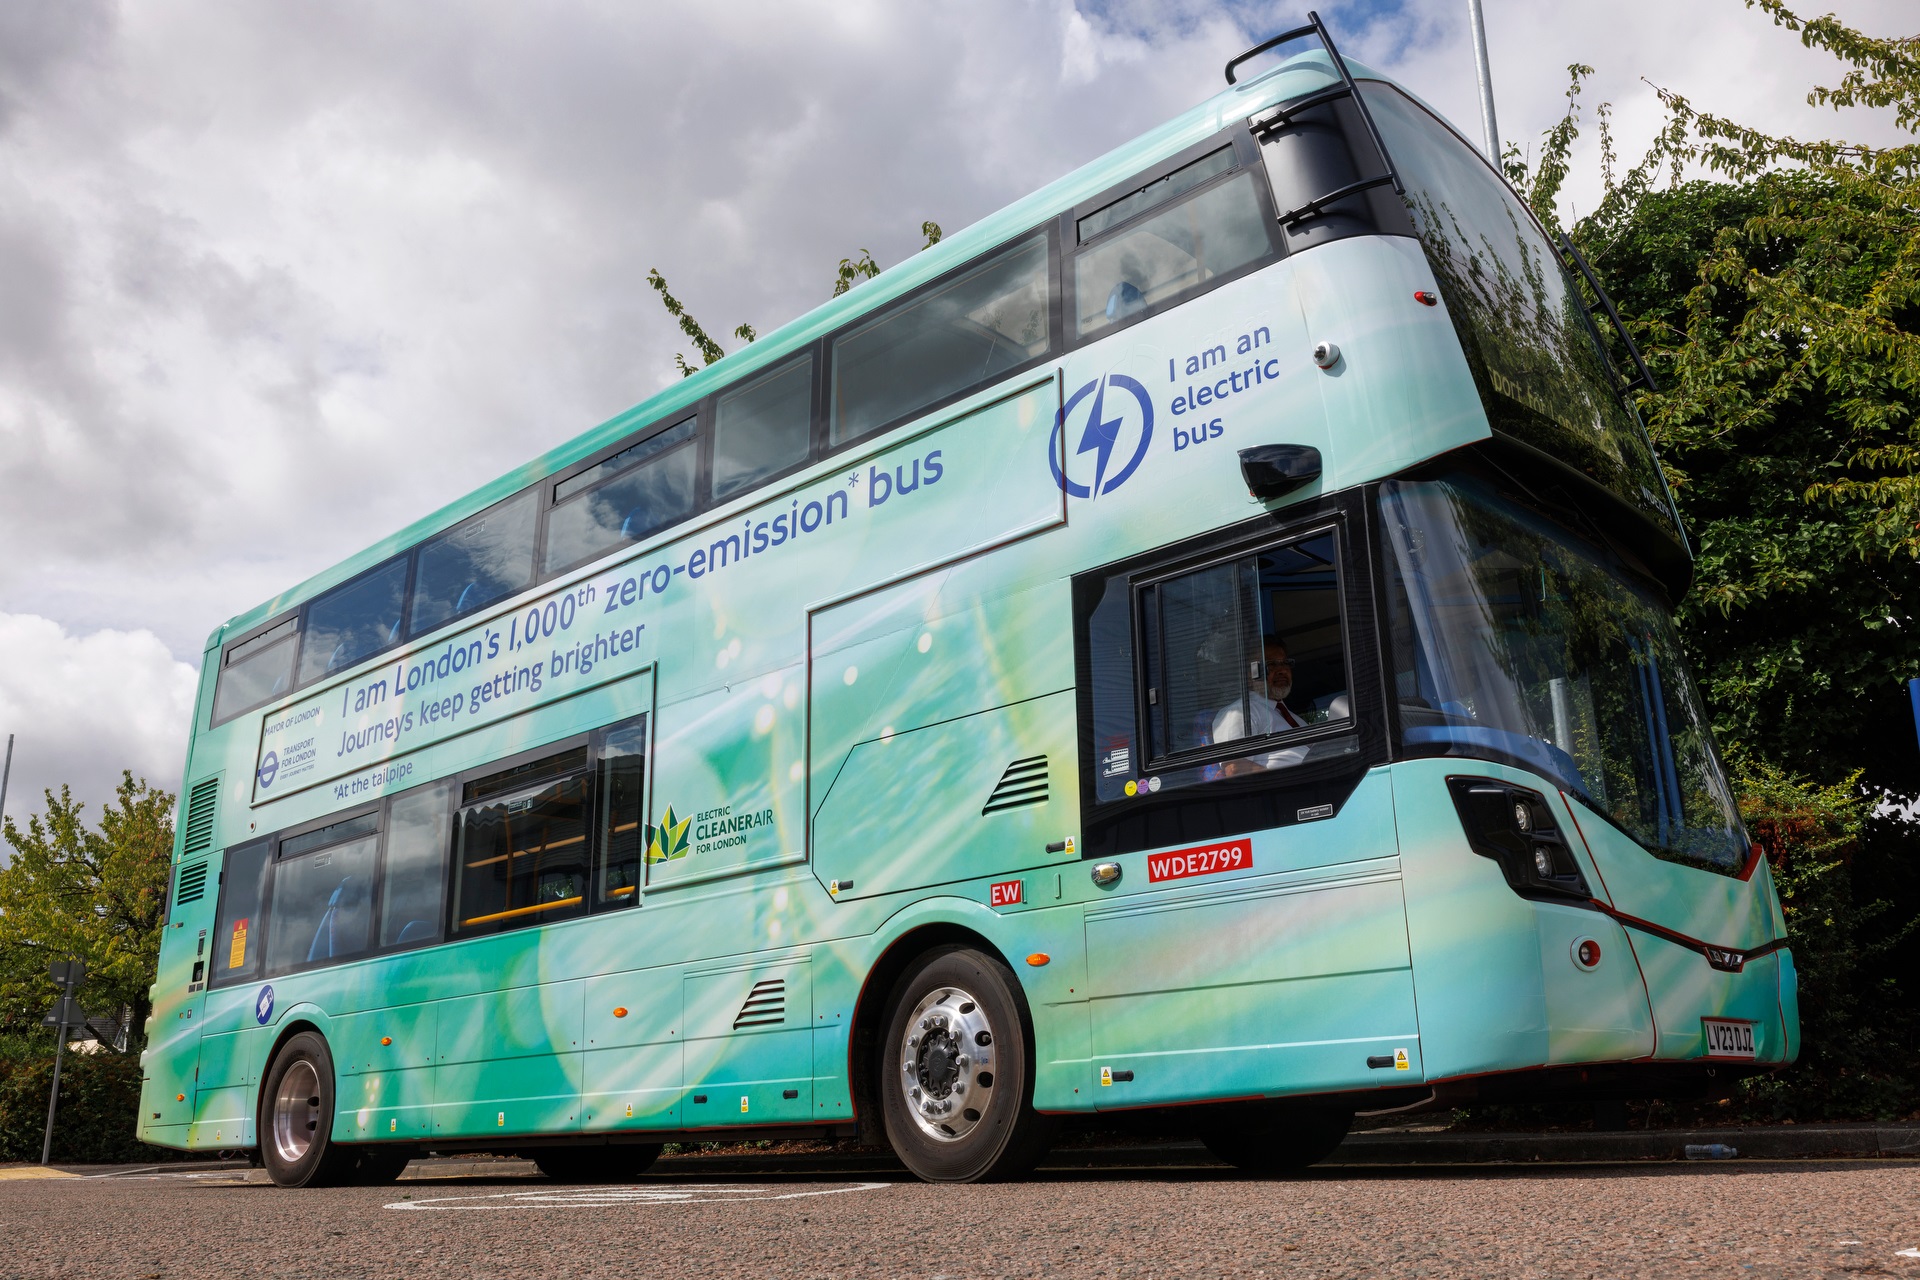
1196,641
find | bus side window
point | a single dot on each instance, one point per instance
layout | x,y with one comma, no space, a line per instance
413,879
477,562
965,332
639,490
238,935
622,842
322,908
522,856
354,621
1151,258
256,671
762,427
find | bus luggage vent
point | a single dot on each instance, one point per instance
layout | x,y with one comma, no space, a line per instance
200,806
1024,782
193,883
766,1005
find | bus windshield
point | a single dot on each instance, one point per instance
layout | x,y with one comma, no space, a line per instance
1512,637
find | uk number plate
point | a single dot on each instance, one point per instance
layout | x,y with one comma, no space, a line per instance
1727,1038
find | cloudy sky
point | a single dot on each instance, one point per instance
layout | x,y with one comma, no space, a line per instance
277,278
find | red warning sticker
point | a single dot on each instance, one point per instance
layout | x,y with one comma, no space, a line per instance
1005,894
1202,860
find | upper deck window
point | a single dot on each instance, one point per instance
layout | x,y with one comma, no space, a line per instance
1153,258
256,671
1157,192
762,427
482,560
355,621
941,342
640,490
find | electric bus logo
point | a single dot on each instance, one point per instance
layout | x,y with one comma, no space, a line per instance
1115,432
268,768
263,1006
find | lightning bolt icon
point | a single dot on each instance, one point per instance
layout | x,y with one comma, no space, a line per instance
1101,436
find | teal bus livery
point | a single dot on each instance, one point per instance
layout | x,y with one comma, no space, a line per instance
1195,643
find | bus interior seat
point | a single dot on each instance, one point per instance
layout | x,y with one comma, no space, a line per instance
1339,707
324,945
1125,300
415,931
634,527
467,594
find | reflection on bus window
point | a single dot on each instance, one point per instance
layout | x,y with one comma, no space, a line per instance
322,901
523,857
1249,649
257,671
1510,635
622,814
485,559
419,833
1136,267
1158,192
354,621
238,935
959,335
638,491
762,428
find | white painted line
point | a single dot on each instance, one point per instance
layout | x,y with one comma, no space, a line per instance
608,1197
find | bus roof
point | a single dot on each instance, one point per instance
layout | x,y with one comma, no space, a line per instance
1296,76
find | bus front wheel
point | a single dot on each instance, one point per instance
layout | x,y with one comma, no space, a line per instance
296,1118
956,1078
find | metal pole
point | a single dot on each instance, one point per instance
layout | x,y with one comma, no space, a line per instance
59,1049
5,773
1487,124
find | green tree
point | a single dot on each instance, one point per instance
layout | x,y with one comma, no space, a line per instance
95,893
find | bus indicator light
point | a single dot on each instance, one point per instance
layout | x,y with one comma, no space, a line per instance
1201,860
620,1011
1005,894
1039,958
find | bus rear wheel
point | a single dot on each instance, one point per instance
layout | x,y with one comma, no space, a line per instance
296,1118
1277,1140
616,1163
956,1076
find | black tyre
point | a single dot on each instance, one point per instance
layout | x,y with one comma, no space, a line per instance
616,1163
380,1165
296,1118
1280,1140
956,1071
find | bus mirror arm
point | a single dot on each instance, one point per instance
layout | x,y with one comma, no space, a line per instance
1273,470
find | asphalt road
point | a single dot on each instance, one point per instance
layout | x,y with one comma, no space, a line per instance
1739,1219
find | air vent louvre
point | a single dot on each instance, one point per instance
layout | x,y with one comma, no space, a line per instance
1024,783
201,804
193,883
766,1005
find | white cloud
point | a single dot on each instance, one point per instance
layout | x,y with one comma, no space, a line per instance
84,707
279,279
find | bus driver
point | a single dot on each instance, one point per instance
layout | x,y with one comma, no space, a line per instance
1266,712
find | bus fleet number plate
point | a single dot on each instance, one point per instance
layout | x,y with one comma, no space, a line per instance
1727,1038
1202,860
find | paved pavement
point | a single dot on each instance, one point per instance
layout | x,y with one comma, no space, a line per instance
1166,1212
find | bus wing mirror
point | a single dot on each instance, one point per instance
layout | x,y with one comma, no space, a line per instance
1272,470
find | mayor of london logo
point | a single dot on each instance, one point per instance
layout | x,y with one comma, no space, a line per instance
1106,427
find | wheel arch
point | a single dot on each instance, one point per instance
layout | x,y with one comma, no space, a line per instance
870,1010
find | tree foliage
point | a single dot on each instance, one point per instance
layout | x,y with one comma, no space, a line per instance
96,893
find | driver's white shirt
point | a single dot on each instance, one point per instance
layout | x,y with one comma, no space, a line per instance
1267,717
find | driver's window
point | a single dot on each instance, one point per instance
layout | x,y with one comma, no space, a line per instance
1244,650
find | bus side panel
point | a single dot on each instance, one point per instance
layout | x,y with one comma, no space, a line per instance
931,705
383,1067
1283,978
509,1061
632,1070
749,1044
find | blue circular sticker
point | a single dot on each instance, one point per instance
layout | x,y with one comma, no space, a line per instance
263,1006
269,767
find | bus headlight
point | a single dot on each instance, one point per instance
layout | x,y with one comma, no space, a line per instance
1514,827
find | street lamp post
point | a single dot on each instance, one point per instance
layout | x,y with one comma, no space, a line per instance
1487,125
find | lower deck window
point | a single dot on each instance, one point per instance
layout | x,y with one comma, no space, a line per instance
523,857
